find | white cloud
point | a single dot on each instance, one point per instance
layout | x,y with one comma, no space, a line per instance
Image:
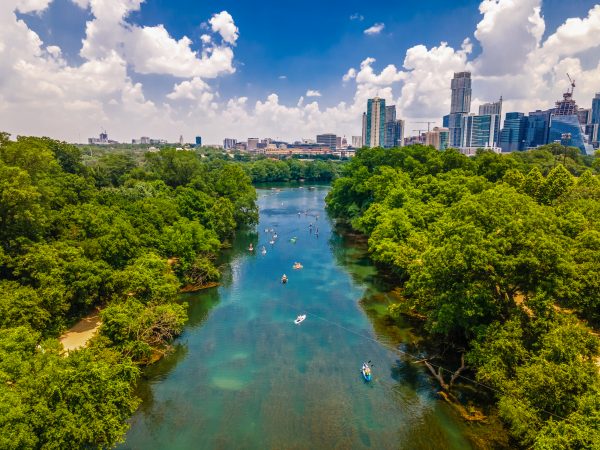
42,94
223,24
375,29
357,16
312,93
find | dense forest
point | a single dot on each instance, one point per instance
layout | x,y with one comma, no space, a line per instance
117,235
498,256
269,170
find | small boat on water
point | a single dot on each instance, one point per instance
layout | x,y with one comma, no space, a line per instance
264,250
366,371
284,279
297,266
300,319
271,242
250,248
293,240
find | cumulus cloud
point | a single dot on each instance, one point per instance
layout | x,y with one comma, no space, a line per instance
375,29
312,93
41,93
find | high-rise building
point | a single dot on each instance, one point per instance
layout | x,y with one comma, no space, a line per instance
252,145
198,141
375,123
338,142
461,93
538,125
364,130
460,106
229,143
565,126
390,126
491,108
328,139
514,132
592,131
596,108
437,138
399,133
584,116
480,131
357,141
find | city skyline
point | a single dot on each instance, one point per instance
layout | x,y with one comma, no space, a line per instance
101,72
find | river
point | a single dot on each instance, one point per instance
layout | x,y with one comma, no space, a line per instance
244,376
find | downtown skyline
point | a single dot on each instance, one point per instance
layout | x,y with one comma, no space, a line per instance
118,67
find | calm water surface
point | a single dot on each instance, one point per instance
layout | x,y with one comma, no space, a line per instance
244,376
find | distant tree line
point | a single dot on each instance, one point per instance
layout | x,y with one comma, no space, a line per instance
499,256
113,234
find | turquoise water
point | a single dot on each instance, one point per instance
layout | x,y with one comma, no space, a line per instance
244,376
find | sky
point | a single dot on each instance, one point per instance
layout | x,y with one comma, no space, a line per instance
281,69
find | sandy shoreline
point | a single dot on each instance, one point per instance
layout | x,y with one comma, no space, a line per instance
79,335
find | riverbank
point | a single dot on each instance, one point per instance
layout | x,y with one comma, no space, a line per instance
80,334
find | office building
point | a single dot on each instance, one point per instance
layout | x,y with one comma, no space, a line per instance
514,132
538,125
198,141
327,140
229,143
252,145
390,127
437,138
364,129
584,116
338,142
565,126
399,133
491,108
461,93
480,131
592,131
375,122
460,107
357,141
596,109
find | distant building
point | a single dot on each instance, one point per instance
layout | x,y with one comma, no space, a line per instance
565,126
241,146
327,139
375,123
357,141
198,141
584,116
592,131
390,127
480,131
460,106
491,108
252,144
180,139
229,143
437,138
102,139
596,109
514,132
399,133
364,130
338,142
538,125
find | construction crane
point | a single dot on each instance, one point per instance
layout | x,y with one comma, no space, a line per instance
572,83
428,124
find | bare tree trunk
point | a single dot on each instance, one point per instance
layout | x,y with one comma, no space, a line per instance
439,374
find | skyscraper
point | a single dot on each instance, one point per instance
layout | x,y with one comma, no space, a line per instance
584,116
375,123
252,144
480,131
596,109
512,136
491,108
399,133
357,141
198,141
565,126
461,93
460,106
364,130
538,125
229,143
390,126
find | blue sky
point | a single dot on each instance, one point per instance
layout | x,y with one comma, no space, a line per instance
288,47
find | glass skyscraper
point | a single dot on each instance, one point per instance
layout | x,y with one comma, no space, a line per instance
390,127
565,125
596,109
460,106
375,123
512,136
480,131
538,125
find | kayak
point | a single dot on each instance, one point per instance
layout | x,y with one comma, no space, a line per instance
300,319
366,372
